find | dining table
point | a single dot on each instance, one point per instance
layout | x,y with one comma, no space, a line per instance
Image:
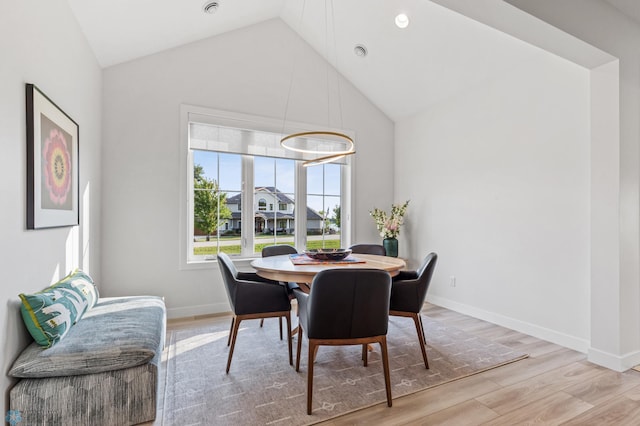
282,268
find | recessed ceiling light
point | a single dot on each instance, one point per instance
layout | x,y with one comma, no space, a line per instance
360,50
210,7
402,20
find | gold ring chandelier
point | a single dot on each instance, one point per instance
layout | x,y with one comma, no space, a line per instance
327,155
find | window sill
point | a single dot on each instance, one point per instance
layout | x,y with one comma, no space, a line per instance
242,263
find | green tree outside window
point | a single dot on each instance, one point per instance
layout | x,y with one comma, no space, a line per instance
336,216
210,205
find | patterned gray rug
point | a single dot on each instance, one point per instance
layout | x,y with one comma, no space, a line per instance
262,389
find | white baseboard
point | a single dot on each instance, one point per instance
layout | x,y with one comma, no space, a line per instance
614,362
571,342
192,311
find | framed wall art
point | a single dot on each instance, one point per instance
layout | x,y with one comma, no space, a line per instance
52,164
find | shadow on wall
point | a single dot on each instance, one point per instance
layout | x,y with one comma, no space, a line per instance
17,336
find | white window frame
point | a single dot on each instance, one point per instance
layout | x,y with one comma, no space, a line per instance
247,241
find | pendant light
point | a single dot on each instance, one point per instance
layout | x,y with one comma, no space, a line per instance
327,145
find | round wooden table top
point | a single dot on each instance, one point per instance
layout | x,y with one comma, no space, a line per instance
281,268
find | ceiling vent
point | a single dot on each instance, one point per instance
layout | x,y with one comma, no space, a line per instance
211,7
360,50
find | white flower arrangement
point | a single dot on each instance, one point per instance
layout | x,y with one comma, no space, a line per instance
389,224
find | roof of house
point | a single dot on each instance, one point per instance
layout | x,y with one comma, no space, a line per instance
236,199
271,189
311,215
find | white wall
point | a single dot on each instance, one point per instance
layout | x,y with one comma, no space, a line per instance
616,341
499,185
605,216
41,43
245,71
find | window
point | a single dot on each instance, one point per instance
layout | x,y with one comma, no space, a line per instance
275,177
324,201
235,169
216,195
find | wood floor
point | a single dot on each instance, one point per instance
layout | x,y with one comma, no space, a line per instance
554,386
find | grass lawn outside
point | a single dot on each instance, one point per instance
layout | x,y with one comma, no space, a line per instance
235,249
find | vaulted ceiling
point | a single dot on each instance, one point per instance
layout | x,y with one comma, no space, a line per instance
439,54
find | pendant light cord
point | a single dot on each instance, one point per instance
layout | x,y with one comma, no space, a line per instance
335,52
293,72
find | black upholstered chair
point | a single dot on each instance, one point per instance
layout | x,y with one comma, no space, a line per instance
345,307
278,250
252,300
408,293
368,249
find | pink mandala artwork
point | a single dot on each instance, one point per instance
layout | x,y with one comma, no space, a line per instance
57,167
52,164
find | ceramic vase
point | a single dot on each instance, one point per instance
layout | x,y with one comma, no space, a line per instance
391,246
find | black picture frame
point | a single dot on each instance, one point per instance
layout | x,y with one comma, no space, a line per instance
52,163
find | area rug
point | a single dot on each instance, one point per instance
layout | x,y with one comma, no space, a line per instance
263,389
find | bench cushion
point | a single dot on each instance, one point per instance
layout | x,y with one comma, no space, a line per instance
118,333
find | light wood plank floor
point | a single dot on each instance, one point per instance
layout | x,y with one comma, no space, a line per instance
554,386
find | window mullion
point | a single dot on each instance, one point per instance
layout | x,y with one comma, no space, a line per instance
346,198
275,202
247,226
300,224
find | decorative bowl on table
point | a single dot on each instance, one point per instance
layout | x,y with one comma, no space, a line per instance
328,254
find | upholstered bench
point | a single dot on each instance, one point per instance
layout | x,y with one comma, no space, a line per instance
103,372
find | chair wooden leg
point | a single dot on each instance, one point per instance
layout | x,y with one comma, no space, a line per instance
233,319
289,338
422,327
299,348
385,366
312,351
236,326
421,339
365,354
261,322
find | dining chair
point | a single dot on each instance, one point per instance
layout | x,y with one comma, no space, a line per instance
253,300
345,307
279,250
368,249
408,293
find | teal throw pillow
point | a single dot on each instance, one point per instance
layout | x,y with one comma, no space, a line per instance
83,284
49,314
